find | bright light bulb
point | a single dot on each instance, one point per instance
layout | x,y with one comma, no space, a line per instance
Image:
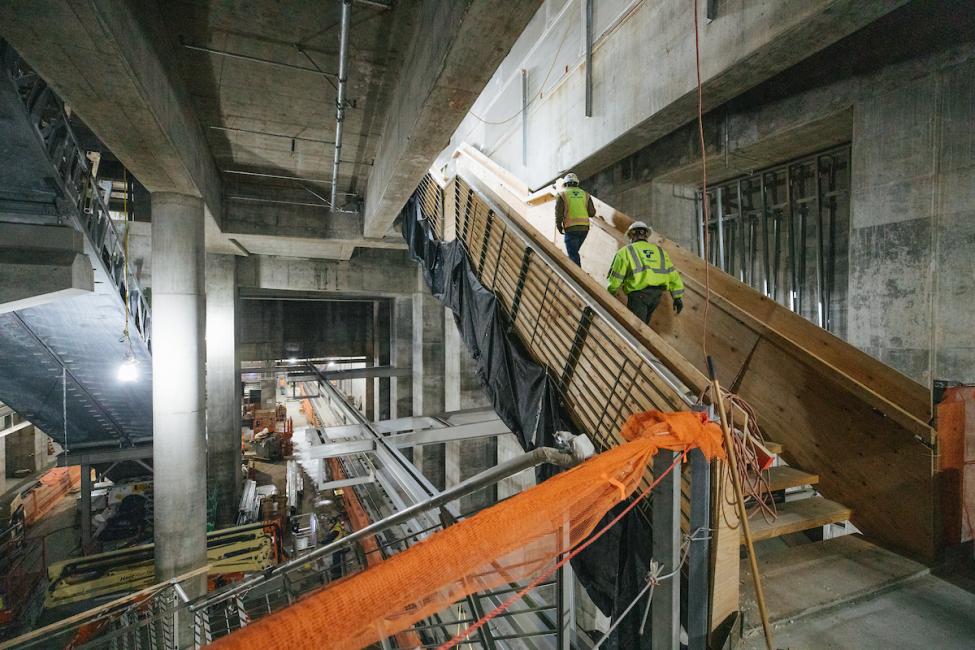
331,364
128,371
292,360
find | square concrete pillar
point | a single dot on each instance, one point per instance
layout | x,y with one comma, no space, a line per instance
401,354
382,344
178,376
223,387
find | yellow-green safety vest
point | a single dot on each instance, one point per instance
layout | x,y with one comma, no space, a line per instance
642,264
576,207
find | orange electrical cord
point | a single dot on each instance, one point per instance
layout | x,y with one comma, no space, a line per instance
512,541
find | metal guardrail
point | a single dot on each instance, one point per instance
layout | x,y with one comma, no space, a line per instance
155,617
225,611
75,184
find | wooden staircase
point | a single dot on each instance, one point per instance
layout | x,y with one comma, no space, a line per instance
798,515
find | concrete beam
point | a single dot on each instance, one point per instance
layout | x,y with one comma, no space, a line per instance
114,64
370,273
293,222
39,264
456,48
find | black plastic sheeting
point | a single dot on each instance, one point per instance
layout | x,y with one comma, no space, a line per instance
614,568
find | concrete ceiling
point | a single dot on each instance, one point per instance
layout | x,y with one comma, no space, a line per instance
276,120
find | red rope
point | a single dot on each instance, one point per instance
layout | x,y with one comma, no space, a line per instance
705,203
538,580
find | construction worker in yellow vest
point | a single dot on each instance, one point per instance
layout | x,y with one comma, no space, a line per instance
573,210
645,271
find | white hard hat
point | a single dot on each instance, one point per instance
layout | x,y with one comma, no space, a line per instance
570,178
639,225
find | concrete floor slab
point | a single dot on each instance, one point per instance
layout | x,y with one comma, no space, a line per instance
848,593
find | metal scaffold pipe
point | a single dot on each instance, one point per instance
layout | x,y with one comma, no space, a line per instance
340,101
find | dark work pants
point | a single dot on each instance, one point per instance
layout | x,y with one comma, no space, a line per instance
573,242
644,301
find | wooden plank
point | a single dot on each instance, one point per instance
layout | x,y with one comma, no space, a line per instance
784,477
796,516
725,567
863,459
839,413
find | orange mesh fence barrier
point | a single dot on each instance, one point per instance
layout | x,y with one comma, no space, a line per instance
509,542
44,495
359,519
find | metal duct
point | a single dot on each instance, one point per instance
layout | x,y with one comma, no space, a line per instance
340,102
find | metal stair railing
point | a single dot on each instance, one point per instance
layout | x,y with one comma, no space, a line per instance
76,187
603,372
230,609
571,326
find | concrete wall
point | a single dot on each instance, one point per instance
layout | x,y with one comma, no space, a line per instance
643,74
913,225
906,104
279,329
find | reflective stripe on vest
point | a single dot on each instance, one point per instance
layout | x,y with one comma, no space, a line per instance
642,275
639,266
576,207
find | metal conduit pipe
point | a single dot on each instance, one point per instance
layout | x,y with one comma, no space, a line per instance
340,102
473,484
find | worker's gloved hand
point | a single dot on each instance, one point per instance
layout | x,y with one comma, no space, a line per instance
678,305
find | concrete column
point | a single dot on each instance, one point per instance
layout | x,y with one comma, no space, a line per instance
269,393
401,353
223,387
428,376
452,354
462,390
178,354
508,447
369,392
382,342
428,355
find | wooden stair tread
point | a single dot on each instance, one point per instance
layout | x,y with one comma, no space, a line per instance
796,516
783,477
773,447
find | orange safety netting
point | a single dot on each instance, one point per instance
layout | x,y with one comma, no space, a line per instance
506,543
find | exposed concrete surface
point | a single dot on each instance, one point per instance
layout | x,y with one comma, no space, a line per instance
643,75
178,388
281,120
261,225
113,63
924,612
223,387
382,354
280,329
428,355
370,272
401,354
456,47
906,102
848,593
39,264
913,225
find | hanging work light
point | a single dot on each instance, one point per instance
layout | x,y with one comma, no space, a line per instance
128,370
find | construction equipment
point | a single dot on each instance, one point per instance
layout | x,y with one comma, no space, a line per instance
38,498
230,551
